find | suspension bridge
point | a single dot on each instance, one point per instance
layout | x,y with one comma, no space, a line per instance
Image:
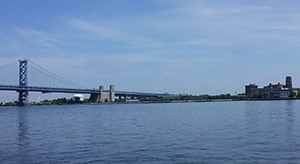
25,76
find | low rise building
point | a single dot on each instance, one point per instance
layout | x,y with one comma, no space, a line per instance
278,92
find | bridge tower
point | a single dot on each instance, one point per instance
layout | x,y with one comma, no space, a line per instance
22,82
112,93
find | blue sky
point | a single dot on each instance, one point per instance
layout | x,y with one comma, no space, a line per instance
192,46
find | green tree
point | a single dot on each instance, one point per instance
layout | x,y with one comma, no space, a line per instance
265,95
71,101
293,94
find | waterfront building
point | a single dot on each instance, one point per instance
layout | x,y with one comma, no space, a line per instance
274,86
273,90
251,89
288,82
277,92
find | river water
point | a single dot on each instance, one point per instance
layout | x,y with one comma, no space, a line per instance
206,132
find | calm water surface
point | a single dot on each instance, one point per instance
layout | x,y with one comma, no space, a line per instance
208,132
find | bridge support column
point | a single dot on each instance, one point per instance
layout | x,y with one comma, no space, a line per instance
23,94
103,95
22,98
112,93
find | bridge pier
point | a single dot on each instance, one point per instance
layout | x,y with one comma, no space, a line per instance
22,98
103,95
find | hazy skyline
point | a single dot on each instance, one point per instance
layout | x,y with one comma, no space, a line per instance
192,46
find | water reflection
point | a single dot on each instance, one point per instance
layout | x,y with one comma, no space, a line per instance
23,128
23,139
252,115
290,121
290,115
292,145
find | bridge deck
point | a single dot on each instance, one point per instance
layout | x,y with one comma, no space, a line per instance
74,90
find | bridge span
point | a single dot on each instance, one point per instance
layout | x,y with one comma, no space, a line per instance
74,90
14,77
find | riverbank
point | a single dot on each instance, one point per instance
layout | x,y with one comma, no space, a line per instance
154,101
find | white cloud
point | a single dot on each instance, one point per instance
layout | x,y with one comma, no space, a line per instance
94,28
222,10
114,31
45,39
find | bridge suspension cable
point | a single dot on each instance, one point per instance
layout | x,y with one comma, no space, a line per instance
40,77
9,74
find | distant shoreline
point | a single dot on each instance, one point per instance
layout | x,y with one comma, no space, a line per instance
167,101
